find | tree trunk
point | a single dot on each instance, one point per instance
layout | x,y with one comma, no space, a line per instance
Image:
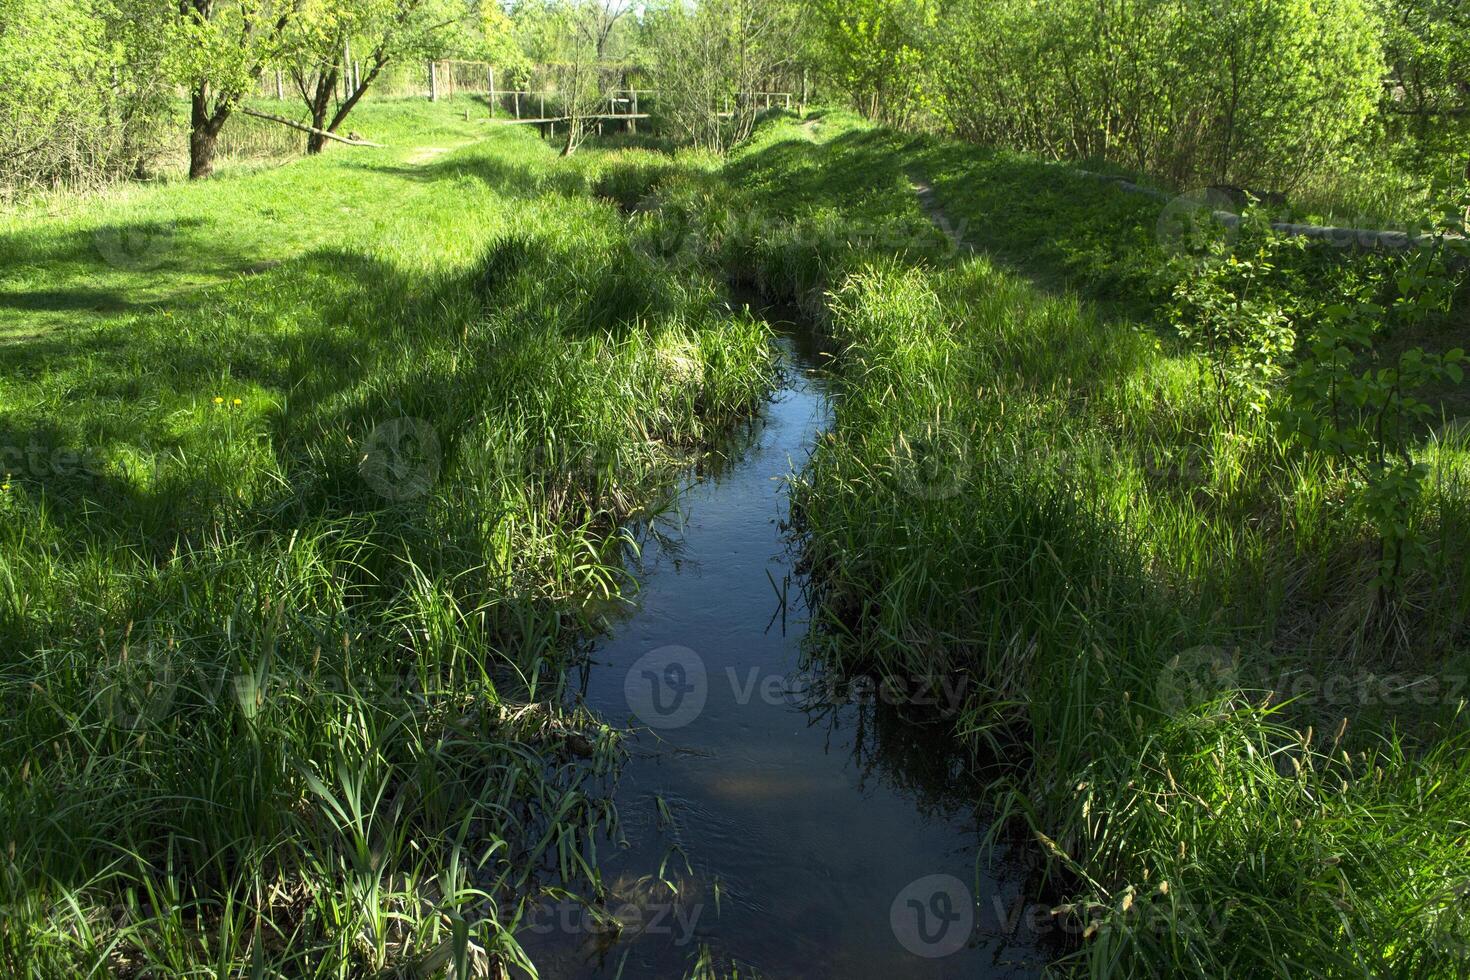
321,99
201,154
204,128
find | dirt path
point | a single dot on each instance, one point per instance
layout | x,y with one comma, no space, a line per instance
929,203
428,154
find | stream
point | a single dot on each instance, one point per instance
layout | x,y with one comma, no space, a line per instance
808,833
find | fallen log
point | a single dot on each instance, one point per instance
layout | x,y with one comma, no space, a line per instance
308,129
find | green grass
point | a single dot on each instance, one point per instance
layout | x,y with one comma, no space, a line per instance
1028,492
292,556
280,700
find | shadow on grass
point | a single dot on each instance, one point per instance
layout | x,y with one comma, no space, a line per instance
98,275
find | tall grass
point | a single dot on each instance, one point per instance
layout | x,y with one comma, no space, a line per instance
1031,496
291,567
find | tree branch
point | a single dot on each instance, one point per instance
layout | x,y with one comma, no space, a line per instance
306,129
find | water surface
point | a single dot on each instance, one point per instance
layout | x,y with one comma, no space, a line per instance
809,834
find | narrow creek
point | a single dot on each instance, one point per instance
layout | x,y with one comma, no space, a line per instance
808,834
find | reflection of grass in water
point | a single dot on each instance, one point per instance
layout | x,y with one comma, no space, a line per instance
261,715
710,966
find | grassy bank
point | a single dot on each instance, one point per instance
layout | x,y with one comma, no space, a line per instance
1157,617
314,475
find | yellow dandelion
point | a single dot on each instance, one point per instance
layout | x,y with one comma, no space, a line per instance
218,400
239,402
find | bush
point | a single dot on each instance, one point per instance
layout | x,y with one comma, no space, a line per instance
79,99
1249,92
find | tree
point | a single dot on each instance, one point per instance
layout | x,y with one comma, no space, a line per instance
1427,46
82,99
574,40
1260,93
710,57
387,31
219,48
877,51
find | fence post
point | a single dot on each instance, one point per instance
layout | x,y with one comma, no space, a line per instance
433,82
280,87
492,93
518,105
803,91
542,105
633,123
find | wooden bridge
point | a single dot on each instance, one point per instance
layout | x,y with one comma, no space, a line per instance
622,106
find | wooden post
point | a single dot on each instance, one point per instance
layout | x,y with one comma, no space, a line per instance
633,123
803,91
518,104
280,87
433,82
492,93
542,103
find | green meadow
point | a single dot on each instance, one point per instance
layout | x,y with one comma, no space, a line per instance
318,476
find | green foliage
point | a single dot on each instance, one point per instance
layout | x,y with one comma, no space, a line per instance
225,46
1257,93
1350,405
877,51
1427,45
1230,307
61,125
